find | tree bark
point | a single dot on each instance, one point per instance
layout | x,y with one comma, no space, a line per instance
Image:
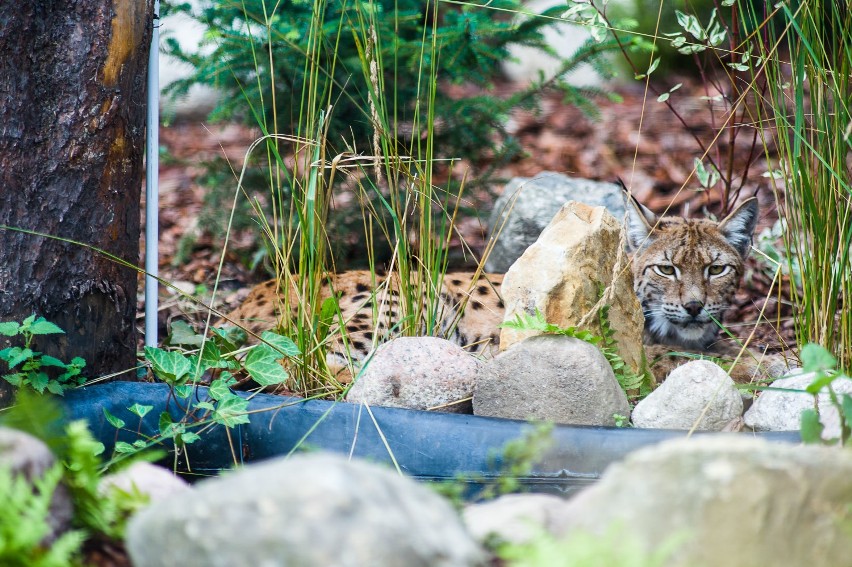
72,133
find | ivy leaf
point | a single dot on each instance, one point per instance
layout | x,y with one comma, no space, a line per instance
211,356
165,423
184,391
228,340
262,365
220,388
170,366
140,410
284,345
231,411
207,406
189,437
43,327
124,447
116,422
181,333
9,328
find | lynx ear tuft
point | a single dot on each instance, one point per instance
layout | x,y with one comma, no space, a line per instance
738,227
640,222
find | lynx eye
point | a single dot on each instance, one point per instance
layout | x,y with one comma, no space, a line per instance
666,270
717,269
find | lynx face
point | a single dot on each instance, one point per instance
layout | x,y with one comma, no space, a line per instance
685,271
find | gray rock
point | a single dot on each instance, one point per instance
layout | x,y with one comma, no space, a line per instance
513,518
156,482
527,205
27,456
553,378
314,510
696,392
418,373
781,411
726,500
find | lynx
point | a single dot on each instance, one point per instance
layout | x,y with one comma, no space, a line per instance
685,275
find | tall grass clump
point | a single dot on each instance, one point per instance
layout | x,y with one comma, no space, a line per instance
808,71
351,100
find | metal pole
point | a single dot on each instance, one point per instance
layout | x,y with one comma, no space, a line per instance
152,189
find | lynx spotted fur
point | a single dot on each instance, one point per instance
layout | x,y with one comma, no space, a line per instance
685,275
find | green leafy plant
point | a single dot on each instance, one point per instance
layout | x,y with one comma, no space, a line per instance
24,522
29,368
615,546
24,504
823,365
356,94
714,37
183,370
471,39
629,380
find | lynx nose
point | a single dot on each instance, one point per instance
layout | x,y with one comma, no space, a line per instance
693,308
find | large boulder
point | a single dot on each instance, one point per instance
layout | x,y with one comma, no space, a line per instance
315,510
562,275
726,500
418,373
528,204
697,395
552,378
777,410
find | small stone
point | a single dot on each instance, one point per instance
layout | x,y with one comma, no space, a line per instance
513,518
553,378
312,510
696,392
156,482
418,373
782,411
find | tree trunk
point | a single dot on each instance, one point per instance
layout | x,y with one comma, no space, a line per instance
72,132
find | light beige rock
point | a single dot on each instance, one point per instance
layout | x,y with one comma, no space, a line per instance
562,275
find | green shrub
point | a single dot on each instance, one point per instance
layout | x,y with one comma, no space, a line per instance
259,60
384,68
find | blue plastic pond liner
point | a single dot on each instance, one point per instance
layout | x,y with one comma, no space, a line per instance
426,445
